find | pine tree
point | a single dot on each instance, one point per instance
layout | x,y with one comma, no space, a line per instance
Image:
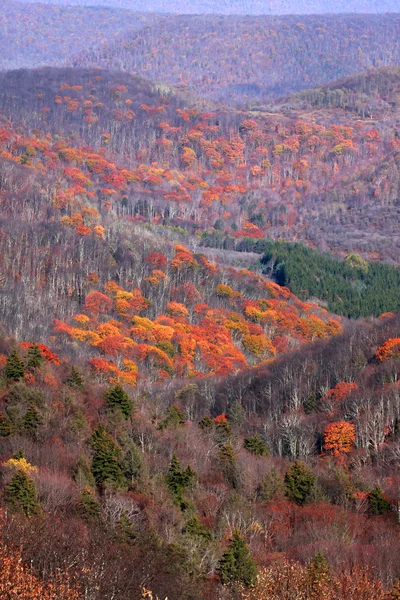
117,398
178,479
32,420
74,379
5,426
299,483
83,475
206,424
14,370
377,503
196,529
106,463
237,564
20,494
88,507
35,357
125,529
227,459
173,418
319,574
256,445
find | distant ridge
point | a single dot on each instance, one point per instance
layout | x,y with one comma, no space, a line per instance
243,7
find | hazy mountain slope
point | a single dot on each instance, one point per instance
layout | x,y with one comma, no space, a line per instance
372,94
32,35
242,58
250,7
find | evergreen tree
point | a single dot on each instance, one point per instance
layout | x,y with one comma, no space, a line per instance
178,479
88,507
20,494
83,475
35,357
237,564
206,423
125,529
377,503
117,398
299,483
132,461
106,464
271,484
319,573
227,458
237,414
74,379
32,420
196,529
173,418
256,445
5,426
14,370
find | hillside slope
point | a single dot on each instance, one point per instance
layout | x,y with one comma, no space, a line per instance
38,34
240,58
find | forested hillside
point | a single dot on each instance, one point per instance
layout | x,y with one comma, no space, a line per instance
239,59
44,34
199,304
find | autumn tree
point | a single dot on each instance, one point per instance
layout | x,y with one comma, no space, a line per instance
339,437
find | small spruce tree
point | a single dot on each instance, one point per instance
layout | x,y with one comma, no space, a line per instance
34,358
106,464
117,399
377,503
14,370
256,445
88,507
32,420
299,483
125,529
227,459
20,494
196,529
6,427
74,379
178,480
173,418
237,565
318,573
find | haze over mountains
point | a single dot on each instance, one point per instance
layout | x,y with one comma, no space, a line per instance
244,7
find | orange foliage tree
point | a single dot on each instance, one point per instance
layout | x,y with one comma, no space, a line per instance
339,437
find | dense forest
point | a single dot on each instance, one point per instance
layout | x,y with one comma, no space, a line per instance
199,304
353,288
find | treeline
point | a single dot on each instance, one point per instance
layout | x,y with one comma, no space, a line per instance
353,288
